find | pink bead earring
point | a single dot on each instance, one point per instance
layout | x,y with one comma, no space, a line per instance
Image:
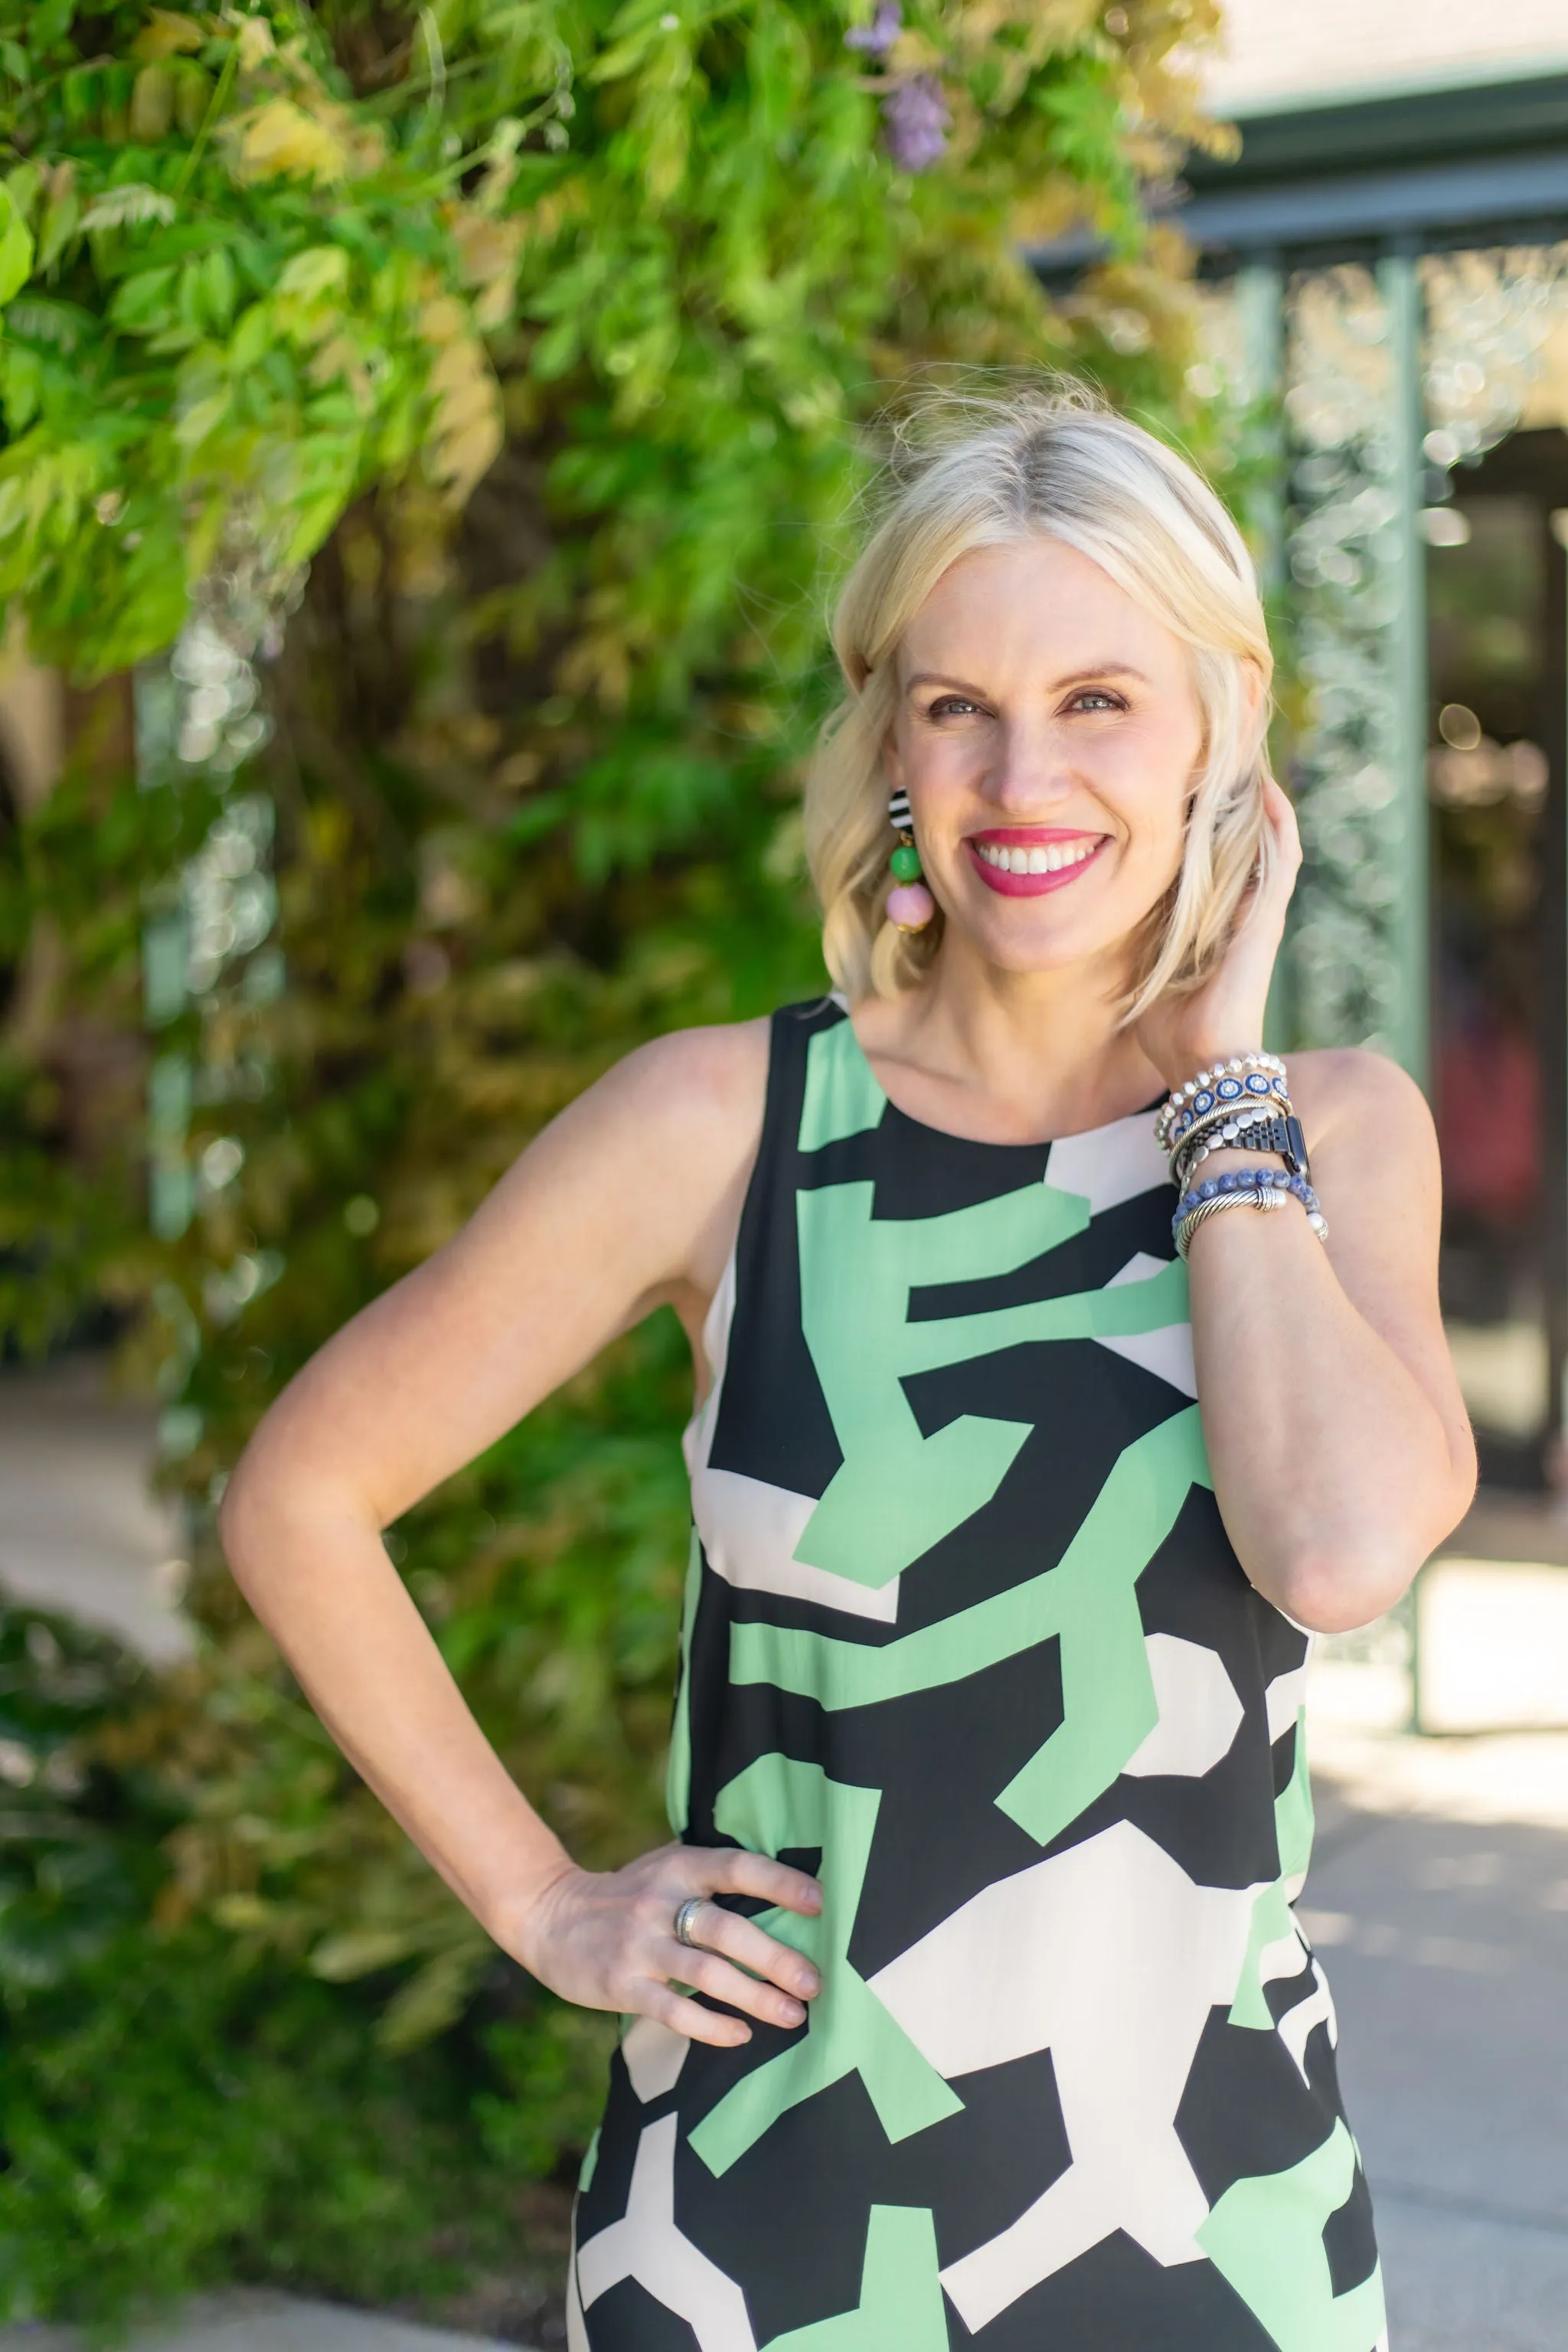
910,904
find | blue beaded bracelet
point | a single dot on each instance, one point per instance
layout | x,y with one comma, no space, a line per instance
1250,1182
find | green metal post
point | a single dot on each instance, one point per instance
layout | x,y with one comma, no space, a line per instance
165,948
1400,285
1405,753
1260,307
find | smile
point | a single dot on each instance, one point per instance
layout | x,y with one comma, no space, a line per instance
1023,867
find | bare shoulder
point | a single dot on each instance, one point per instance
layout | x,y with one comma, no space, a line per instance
714,1061
1348,1094
667,1139
661,1150
692,1088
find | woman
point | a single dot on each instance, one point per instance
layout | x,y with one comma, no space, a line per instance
970,2004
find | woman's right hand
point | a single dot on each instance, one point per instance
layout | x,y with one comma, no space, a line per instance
606,1939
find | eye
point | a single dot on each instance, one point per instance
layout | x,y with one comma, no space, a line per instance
1097,699
951,705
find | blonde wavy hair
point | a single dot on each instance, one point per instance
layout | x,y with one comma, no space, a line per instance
1053,462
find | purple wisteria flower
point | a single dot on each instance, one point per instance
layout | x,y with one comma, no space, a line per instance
877,37
916,120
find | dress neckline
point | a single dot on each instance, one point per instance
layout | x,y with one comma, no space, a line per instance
983,1142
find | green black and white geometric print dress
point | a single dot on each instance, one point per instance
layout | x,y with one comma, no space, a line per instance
965,1636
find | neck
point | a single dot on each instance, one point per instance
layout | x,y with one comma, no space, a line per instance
1030,1054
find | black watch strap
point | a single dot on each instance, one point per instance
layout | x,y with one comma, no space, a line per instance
1281,1135
1256,1131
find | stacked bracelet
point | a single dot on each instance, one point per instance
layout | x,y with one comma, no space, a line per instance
1256,1188
1246,1081
1240,1105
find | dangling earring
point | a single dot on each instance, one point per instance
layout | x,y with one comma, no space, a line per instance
910,904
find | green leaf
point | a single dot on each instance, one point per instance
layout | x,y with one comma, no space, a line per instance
22,374
62,216
321,270
433,1999
250,338
357,1952
145,302
219,287
42,320
12,504
49,22
132,206
201,418
24,184
15,249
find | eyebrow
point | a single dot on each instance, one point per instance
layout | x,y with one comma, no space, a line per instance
1076,677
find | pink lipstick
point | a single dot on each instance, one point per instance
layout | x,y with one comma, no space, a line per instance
1025,861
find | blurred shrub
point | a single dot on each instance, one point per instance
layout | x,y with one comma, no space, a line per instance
181,2107
80,1852
172,2121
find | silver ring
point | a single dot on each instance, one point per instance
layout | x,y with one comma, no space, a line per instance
683,1919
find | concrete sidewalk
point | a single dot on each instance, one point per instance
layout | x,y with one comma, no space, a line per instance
1446,1941
79,1528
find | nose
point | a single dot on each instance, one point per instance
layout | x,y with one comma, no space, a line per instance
1036,773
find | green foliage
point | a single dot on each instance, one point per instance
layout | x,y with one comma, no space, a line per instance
247,260
75,886
79,1851
535,774
235,297
171,2122
180,2106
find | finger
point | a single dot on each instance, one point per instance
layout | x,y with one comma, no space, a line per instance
683,2015
1280,816
1268,896
1279,855
734,1870
750,1946
709,1972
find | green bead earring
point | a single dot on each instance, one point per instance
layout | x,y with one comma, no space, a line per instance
910,904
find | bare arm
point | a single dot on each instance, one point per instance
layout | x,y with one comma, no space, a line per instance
1340,1448
626,1202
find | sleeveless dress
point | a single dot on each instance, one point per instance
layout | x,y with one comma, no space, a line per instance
965,1636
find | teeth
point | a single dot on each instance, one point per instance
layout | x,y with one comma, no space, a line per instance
1043,860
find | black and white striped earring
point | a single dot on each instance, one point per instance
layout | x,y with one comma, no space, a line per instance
910,904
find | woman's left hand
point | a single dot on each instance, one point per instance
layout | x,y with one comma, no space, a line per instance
1183,1034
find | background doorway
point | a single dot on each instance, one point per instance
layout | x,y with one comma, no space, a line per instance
1497,707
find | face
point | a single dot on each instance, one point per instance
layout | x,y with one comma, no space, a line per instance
1047,731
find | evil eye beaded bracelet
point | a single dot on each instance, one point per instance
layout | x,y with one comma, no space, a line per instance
1256,1188
1246,1081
